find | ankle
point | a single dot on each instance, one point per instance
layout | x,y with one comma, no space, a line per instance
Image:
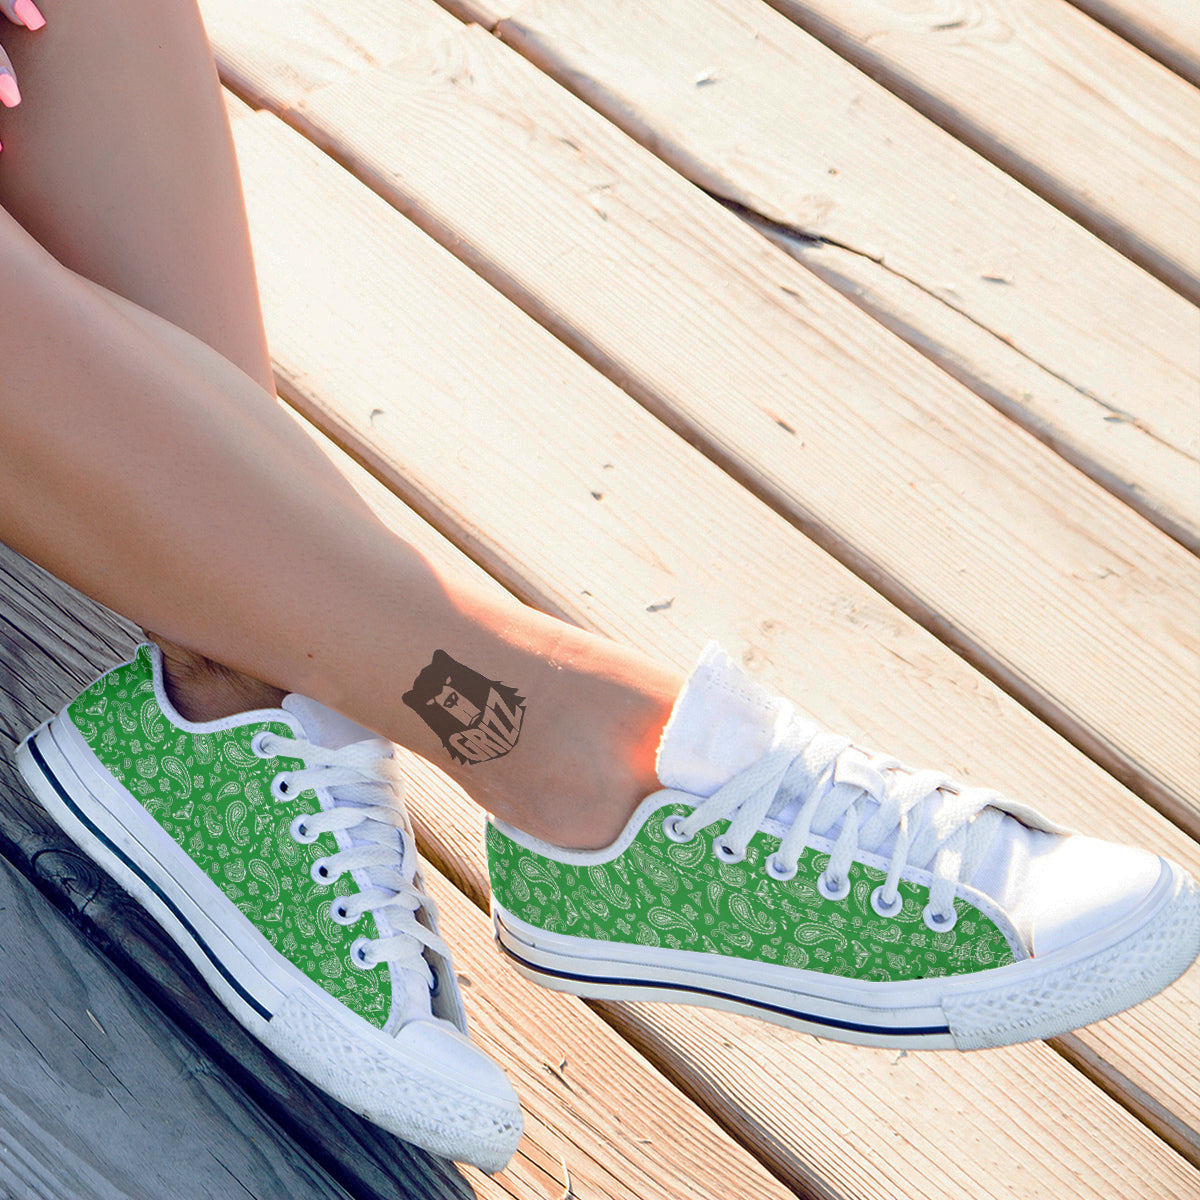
203,690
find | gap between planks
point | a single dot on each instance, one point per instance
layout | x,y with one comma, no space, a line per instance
1011,297
1048,95
1168,30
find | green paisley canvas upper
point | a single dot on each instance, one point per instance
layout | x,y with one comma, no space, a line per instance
661,892
212,795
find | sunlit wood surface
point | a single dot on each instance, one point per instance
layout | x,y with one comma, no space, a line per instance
861,336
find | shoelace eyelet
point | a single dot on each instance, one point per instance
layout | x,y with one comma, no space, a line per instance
281,789
831,888
671,827
779,870
939,922
882,907
360,954
300,831
258,745
338,913
320,871
725,852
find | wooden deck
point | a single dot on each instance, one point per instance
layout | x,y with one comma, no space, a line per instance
858,334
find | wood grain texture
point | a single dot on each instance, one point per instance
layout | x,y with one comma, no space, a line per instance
101,1098
1168,30
289,47
1009,295
1059,102
412,362
930,494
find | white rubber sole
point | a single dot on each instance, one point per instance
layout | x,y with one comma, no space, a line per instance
1033,999
410,1083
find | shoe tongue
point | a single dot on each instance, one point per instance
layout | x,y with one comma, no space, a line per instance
721,723
322,726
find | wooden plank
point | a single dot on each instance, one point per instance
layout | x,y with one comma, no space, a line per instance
96,1083
452,397
52,643
1059,102
293,47
930,494
999,288
1169,30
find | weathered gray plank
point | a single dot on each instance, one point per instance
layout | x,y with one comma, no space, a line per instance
52,642
101,1098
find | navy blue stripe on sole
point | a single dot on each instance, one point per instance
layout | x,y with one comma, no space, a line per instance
119,854
794,1014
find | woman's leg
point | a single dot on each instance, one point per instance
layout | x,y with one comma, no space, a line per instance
149,207
152,472
120,162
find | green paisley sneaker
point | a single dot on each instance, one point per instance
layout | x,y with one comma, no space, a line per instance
274,847
784,873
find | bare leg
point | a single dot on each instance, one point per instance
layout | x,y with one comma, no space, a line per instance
120,163
130,455
149,208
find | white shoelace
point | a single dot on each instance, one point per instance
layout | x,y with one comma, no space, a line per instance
362,779
814,782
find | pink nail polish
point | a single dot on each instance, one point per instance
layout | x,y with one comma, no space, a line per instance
10,94
28,15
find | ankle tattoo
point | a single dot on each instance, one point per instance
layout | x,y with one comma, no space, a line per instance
476,718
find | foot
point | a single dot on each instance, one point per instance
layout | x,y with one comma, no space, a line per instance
200,689
274,847
784,873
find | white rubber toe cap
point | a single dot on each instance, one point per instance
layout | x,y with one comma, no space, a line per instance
484,1114
1077,887
442,1050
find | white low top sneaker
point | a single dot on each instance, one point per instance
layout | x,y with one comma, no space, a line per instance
274,847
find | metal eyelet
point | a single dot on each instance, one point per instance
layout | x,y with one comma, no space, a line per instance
778,869
882,907
281,788
258,745
939,922
300,831
725,852
320,871
360,954
831,888
338,913
672,828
